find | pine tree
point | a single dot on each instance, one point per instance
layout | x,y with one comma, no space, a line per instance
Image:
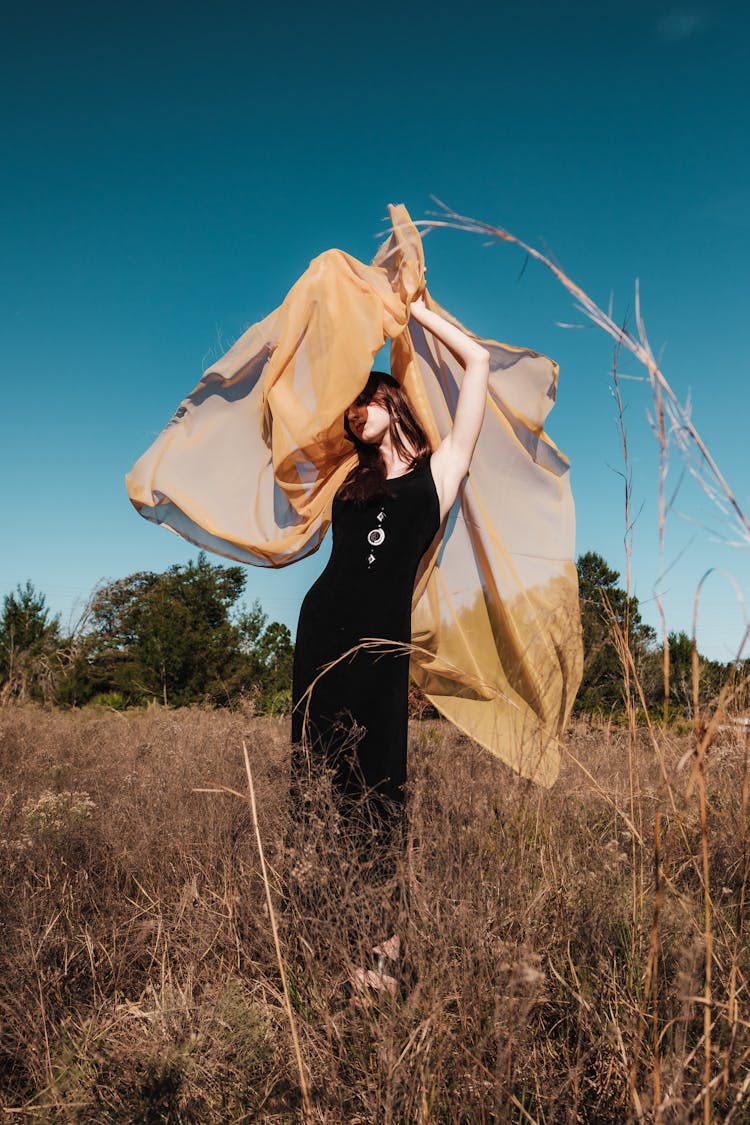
606,610
28,641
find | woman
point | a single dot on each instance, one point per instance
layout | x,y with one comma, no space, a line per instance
352,716
250,463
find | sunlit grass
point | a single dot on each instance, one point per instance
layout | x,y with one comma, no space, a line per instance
555,959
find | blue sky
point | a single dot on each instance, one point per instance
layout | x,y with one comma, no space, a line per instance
170,170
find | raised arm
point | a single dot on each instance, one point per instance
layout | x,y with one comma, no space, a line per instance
451,460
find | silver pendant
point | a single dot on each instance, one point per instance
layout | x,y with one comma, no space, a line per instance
376,537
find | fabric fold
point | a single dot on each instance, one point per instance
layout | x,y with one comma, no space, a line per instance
250,462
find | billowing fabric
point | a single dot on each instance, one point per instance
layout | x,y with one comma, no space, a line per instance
249,464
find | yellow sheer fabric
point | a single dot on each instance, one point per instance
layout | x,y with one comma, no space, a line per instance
249,464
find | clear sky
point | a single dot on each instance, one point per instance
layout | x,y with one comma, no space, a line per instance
169,169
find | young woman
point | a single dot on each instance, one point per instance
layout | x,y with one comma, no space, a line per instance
353,716
249,465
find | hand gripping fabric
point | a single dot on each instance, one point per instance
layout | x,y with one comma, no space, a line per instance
250,462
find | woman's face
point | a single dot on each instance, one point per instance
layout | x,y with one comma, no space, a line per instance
369,421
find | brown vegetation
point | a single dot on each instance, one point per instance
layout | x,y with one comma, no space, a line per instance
556,940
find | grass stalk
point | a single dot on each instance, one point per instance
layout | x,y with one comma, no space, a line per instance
708,946
304,1089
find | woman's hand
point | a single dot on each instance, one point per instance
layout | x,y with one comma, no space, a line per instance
466,350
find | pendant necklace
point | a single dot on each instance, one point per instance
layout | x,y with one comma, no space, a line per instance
376,537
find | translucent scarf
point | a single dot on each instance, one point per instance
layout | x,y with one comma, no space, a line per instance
249,464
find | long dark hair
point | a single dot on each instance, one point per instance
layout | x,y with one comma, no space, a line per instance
367,480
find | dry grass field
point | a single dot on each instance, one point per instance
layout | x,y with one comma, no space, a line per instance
574,955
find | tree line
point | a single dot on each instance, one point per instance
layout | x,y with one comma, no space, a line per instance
178,637
184,636
623,655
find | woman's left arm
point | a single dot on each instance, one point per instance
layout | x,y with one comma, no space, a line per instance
451,460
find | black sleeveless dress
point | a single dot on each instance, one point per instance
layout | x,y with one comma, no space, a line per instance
357,714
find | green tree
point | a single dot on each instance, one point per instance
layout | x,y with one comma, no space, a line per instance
270,651
167,636
178,637
680,669
711,676
606,610
29,638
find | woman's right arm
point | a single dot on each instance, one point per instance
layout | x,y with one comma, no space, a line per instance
450,461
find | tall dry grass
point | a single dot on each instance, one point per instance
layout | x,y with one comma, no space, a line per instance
673,428
172,951
555,940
